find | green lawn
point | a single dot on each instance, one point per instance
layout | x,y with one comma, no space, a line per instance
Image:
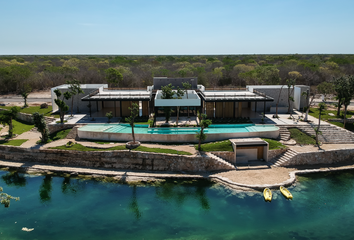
15,142
348,126
30,110
21,127
59,135
160,150
314,112
300,137
273,144
216,146
79,147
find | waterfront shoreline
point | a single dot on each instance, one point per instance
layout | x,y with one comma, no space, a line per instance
141,177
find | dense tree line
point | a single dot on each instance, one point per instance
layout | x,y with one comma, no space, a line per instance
42,72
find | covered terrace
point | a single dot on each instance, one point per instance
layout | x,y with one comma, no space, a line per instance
118,102
233,104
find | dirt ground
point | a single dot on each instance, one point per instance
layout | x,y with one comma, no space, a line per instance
19,100
258,176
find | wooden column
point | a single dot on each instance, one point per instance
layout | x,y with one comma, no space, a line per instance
239,110
234,112
255,106
264,108
90,107
115,109
120,108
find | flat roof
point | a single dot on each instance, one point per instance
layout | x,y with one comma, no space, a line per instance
118,95
234,96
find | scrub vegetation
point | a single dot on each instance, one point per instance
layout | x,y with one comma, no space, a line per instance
43,72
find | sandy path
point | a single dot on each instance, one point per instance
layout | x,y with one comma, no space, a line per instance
258,176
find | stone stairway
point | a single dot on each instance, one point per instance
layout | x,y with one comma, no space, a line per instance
220,160
282,159
330,133
284,134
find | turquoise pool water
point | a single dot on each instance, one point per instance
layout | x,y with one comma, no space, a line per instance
144,129
64,208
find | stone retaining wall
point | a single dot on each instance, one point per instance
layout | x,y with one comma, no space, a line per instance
113,159
349,120
25,117
58,126
325,157
275,153
228,156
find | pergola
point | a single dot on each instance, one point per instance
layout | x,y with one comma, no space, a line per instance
224,102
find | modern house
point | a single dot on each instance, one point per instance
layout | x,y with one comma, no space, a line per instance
98,99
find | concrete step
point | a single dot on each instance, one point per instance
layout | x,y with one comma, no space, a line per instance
224,162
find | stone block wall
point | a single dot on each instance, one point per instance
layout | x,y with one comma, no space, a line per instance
113,159
325,157
275,153
228,156
58,126
25,117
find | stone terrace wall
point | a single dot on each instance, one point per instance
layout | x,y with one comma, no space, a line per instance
275,153
113,159
326,157
25,117
58,126
229,156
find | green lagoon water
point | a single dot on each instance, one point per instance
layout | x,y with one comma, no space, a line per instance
64,208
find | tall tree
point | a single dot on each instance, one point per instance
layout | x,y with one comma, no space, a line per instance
309,99
325,88
291,86
321,107
25,91
6,118
167,93
186,87
113,76
134,112
74,89
204,123
41,125
179,94
342,87
63,108
347,95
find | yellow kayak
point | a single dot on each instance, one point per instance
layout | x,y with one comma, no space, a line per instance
267,194
286,192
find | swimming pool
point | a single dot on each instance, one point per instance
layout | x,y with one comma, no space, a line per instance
215,132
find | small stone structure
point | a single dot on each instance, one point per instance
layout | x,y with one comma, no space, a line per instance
248,149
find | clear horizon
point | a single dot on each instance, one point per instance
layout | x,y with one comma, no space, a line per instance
182,27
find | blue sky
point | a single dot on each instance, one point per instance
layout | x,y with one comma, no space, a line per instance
161,27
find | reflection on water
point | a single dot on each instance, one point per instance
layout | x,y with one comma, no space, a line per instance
66,208
14,179
45,189
133,206
179,192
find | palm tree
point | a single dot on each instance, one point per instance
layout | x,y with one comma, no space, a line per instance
6,118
